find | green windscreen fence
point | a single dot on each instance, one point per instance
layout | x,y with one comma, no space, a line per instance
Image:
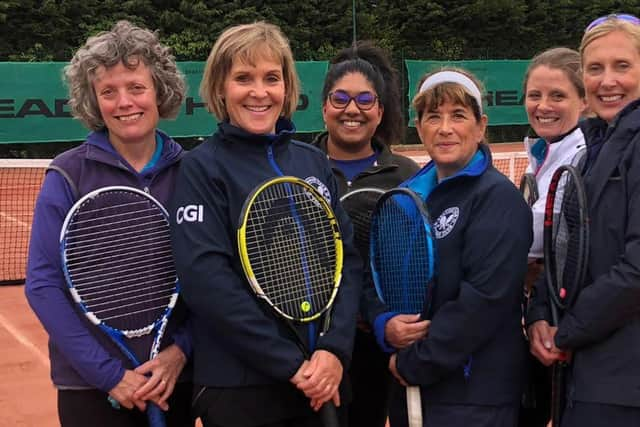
33,103
33,98
502,80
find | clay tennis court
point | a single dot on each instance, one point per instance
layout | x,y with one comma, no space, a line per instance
27,397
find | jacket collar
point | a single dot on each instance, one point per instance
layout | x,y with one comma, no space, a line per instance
615,137
538,150
385,156
425,180
99,149
235,135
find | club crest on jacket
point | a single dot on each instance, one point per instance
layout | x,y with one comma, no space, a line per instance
446,221
320,187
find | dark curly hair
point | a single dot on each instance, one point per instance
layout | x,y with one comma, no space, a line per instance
374,64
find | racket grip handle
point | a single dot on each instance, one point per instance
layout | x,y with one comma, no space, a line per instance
155,415
329,415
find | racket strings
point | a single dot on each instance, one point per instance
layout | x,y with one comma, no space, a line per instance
359,206
113,260
289,276
125,240
101,236
103,281
292,250
402,250
529,188
118,255
94,220
569,238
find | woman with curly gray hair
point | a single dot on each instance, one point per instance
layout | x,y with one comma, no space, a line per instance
121,83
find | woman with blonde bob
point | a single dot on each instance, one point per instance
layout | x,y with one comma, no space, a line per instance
121,82
469,366
248,369
601,329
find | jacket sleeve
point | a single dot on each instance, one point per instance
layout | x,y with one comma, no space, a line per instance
539,304
613,298
182,337
48,296
339,338
494,262
370,305
215,292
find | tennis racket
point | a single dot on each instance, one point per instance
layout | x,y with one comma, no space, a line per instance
402,259
117,261
566,250
291,253
529,188
359,205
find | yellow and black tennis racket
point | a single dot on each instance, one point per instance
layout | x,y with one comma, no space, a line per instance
291,252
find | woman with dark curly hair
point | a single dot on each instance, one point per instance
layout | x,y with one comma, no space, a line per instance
362,112
121,83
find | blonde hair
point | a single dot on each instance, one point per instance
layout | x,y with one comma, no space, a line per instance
435,96
247,43
610,25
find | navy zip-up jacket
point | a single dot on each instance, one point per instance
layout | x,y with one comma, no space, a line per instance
602,328
82,357
238,340
475,351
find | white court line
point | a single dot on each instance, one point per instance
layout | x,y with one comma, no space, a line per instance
16,220
19,336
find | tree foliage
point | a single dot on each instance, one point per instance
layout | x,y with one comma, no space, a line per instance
50,30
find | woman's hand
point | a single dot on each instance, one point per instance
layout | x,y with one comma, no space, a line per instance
394,370
124,391
542,345
322,377
162,372
404,329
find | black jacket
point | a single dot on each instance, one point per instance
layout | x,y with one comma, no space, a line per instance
238,341
388,172
603,326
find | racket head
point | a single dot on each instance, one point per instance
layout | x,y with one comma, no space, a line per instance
117,261
565,236
290,248
359,205
402,252
529,188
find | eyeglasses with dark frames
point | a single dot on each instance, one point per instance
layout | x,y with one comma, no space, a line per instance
622,16
364,100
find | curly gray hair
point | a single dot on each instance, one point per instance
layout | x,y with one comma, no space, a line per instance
126,44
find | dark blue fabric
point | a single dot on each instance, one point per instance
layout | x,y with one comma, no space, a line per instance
483,232
352,168
239,342
604,318
451,415
586,414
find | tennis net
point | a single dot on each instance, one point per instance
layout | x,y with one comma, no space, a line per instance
20,182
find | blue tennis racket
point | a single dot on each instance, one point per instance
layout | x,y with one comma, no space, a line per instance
117,260
403,263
